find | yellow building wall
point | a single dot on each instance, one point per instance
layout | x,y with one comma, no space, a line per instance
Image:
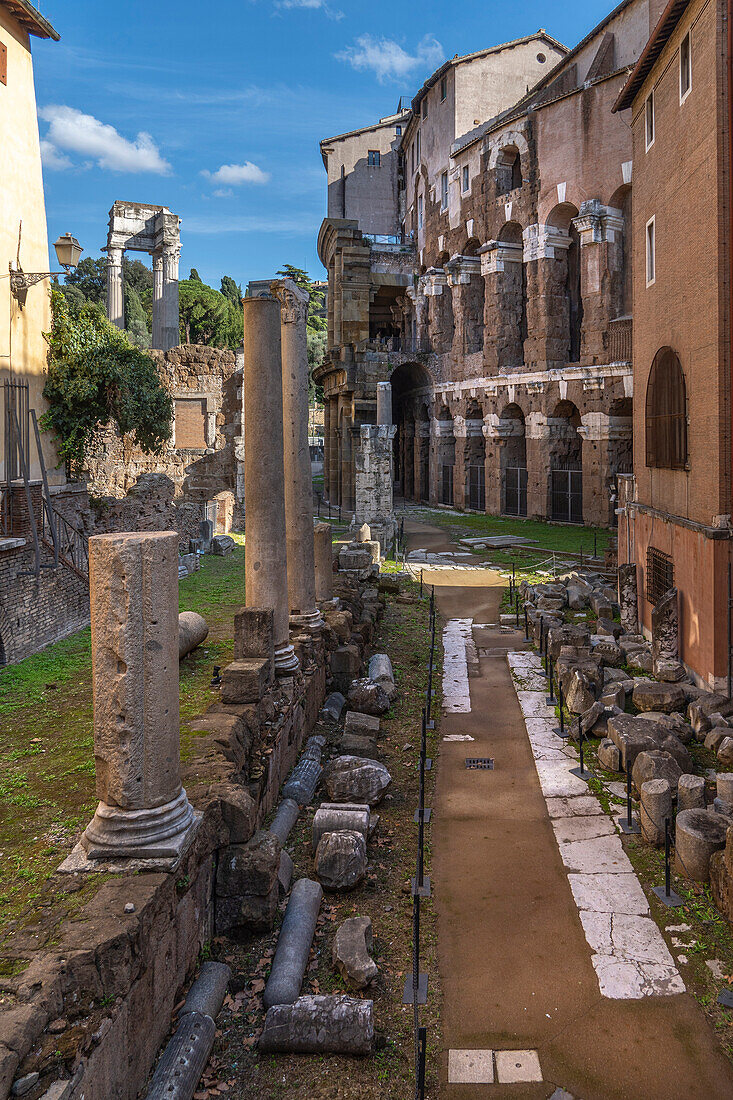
22,346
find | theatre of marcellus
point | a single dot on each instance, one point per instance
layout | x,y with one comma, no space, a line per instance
479,267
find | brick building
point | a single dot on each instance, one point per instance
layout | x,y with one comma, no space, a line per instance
499,308
676,522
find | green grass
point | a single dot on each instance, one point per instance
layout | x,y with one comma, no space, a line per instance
47,789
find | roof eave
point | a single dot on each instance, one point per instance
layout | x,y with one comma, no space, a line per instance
30,19
659,38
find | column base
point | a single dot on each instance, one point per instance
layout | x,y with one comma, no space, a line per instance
286,661
312,621
158,833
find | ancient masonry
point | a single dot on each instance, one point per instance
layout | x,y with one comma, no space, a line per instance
181,845
490,285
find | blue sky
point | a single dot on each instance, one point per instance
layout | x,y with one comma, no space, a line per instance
216,110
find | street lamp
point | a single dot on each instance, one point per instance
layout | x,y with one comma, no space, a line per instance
68,251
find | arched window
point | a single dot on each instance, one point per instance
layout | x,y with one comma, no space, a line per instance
666,413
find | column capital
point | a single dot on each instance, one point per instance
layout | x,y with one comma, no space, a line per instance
495,255
114,257
544,242
293,301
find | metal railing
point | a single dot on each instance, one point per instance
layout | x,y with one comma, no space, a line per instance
73,546
620,334
389,238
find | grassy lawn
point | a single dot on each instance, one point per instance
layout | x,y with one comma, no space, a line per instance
559,538
46,745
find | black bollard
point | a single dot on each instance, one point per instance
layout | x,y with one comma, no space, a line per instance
422,1039
560,701
526,624
595,544
517,610
581,771
542,634
421,572
628,826
551,697
665,893
216,678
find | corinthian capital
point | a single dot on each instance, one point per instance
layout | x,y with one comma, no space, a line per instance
293,301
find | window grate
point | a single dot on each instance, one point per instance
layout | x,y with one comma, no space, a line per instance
479,763
659,574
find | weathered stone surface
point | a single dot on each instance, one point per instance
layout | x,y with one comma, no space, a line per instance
580,694
591,716
677,750
294,944
238,810
352,744
345,666
286,816
724,787
699,710
610,653
632,736
714,738
655,810
698,834
577,598
333,707
352,945
666,698
341,860
614,695
222,545
245,681
628,597
143,810
608,628
380,669
655,764
368,698
691,792
609,755
665,627
673,722
303,780
320,1025
725,752
363,725
639,658
332,817
248,868
669,671
192,631
353,779
207,993
567,635
354,561
254,636
323,556
254,912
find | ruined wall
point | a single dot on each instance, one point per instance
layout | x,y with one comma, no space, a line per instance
205,455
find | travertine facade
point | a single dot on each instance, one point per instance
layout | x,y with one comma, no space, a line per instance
500,308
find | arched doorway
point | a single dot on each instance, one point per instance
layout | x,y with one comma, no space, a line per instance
513,461
411,383
475,459
422,451
446,455
566,464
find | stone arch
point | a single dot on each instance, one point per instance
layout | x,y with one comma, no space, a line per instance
565,488
622,288
409,382
471,246
510,139
446,454
561,217
513,460
474,458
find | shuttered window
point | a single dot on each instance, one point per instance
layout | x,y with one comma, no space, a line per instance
666,413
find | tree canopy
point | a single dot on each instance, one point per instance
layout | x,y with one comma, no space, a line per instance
97,378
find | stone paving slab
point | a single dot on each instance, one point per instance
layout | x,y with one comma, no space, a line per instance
514,1067
630,956
470,1067
456,692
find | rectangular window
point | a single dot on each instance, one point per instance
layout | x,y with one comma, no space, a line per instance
659,574
418,148
685,68
444,191
651,247
412,154
466,178
425,107
419,212
398,131
649,120
374,158
443,90
190,423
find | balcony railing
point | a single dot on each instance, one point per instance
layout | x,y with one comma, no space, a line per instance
619,340
378,239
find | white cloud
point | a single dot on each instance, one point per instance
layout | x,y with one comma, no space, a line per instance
388,59
76,132
312,5
52,158
232,175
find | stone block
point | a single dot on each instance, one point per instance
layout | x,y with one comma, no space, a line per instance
255,912
355,780
368,697
248,868
222,545
698,833
320,1025
656,809
655,764
238,810
691,792
245,681
332,817
345,666
725,752
254,635
609,756
341,860
352,945
362,725
649,695
353,744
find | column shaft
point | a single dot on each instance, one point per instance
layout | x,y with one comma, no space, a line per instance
157,341
115,291
297,463
266,573
170,337
143,810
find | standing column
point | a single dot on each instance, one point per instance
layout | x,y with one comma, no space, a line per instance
266,572
333,448
297,462
115,292
326,445
143,810
170,330
384,404
157,341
